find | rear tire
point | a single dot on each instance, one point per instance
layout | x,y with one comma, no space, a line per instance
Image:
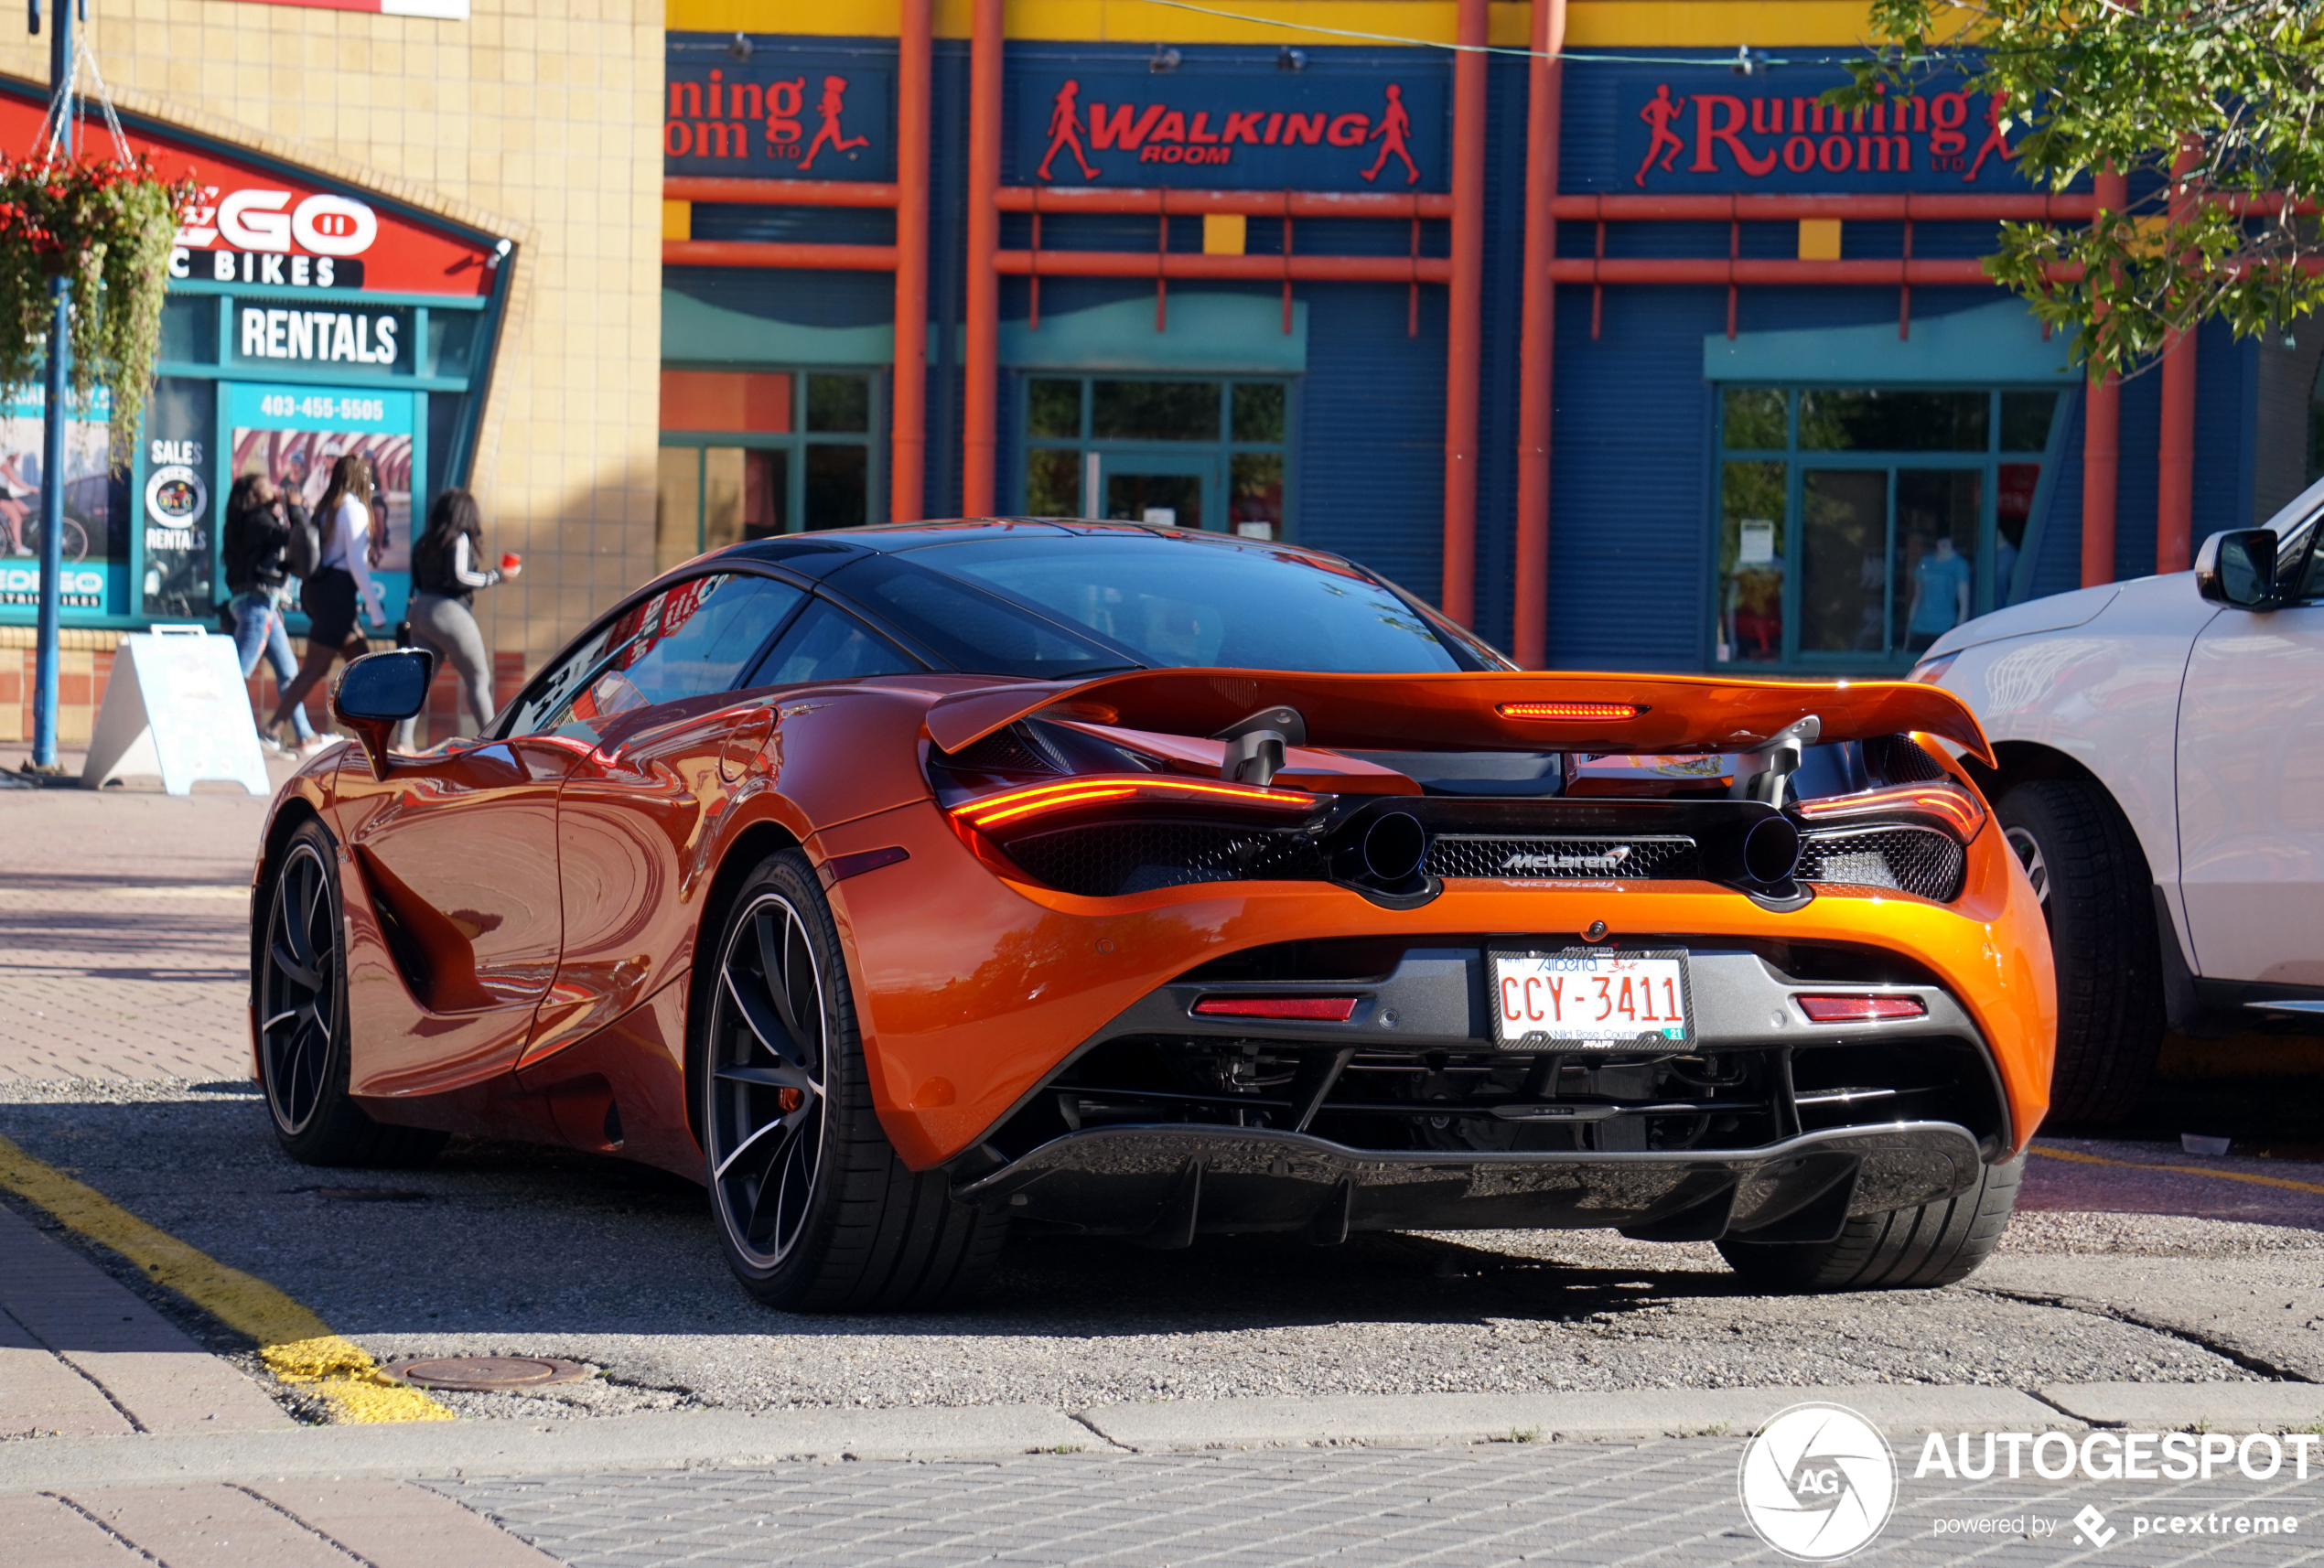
2097,895
1909,1249
816,1212
299,993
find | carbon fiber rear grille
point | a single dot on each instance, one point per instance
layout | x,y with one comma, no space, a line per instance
1564,859
1908,860
1106,859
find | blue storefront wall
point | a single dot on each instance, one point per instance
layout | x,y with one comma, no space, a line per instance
1633,442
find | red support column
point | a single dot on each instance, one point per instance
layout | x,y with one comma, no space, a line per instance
908,400
2102,439
1458,598
2175,452
1538,335
982,359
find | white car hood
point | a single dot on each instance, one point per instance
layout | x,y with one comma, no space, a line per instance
2058,612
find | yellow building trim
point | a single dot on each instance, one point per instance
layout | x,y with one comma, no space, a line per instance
1818,239
677,220
1223,233
1590,24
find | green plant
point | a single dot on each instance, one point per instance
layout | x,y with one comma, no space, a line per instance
107,225
2210,109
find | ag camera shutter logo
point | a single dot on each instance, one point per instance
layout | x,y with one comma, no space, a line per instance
1818,1482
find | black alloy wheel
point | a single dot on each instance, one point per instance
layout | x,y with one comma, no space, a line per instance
298,984
768,1029
2097,897
816,1211
299,989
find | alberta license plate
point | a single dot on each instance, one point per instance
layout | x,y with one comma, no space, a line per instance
1590,999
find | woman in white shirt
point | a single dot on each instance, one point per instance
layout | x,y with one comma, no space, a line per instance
342,585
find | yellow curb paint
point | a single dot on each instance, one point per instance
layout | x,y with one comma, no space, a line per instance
297,1345
2082,1159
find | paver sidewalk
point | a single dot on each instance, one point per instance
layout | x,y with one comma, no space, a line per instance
82,1355
123,933
298,1524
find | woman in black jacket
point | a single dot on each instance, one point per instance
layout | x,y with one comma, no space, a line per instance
259,518
448,567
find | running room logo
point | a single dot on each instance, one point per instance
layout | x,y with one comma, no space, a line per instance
1679,135
1818,1482
777,115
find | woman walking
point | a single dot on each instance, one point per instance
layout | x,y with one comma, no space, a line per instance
351,543
258,523
447,571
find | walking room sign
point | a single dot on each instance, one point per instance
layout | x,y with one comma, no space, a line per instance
1377,131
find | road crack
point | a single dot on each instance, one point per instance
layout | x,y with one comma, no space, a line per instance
2224,1349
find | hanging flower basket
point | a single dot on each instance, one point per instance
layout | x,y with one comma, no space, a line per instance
107,225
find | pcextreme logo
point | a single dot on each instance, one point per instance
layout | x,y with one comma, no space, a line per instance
1818,1482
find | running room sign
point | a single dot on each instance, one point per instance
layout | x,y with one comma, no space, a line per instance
1231,130
780,114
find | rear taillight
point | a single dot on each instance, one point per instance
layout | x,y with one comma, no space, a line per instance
1945,806
1571,710
1306,1009
1860,1009
1007,807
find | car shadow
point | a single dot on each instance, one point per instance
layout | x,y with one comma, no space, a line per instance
503,1239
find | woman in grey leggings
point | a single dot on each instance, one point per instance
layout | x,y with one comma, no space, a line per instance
446,570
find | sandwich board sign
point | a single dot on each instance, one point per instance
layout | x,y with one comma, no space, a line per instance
176,706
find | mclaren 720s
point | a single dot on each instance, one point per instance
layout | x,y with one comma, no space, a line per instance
905,885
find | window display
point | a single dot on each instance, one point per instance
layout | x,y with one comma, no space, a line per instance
1910,511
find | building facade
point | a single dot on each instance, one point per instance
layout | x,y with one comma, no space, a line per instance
427,231
1274,279
1650,361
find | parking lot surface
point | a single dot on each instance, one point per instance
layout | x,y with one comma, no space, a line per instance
2131,1265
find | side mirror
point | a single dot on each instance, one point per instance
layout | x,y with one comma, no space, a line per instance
2238,568
380,691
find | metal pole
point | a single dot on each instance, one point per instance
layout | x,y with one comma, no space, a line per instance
52,441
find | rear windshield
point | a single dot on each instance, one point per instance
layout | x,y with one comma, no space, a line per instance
1203,602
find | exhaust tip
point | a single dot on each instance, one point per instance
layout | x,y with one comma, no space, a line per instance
1393,848
1771,851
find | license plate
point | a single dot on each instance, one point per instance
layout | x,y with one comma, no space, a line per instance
1590,999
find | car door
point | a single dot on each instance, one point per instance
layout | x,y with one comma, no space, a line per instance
652,727
454,869
2250,789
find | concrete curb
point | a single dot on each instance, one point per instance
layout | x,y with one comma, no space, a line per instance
659,1439
2175,1407
673,1439
1416,1419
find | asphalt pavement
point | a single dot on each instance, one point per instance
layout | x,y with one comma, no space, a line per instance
2137,1284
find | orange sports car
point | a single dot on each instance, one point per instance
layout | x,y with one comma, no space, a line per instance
905,885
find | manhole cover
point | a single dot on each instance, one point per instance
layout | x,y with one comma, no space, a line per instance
486,1374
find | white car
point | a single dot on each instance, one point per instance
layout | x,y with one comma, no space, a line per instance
2161,778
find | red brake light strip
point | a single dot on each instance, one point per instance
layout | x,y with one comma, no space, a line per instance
1314,1009
988,809
1570,710
1860,1009
1955,808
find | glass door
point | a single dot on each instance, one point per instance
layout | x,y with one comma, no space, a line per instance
1179,490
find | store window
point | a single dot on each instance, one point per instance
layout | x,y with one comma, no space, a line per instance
1208,454
747,453
1857,526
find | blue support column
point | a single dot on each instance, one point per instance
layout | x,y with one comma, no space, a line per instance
54,425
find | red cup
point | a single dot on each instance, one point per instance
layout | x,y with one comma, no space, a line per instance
510,562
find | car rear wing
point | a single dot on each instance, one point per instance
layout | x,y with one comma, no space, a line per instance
1636,714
